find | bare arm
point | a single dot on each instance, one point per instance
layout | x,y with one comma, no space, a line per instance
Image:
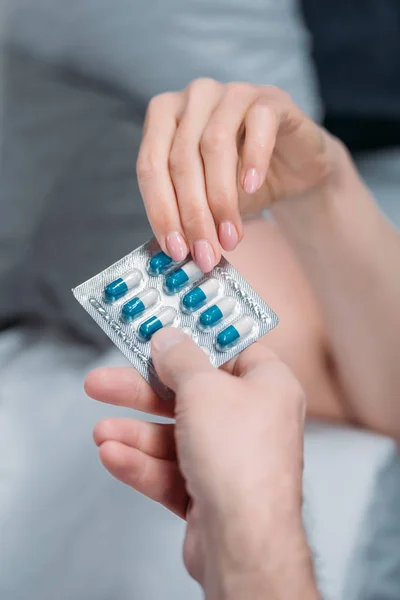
351,255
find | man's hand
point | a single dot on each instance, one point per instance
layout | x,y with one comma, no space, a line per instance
232,464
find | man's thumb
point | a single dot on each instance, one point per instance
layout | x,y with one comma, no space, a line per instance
176,356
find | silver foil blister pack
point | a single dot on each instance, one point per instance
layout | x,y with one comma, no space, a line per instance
219,310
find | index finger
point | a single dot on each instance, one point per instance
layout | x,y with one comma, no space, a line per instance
153,175
124,386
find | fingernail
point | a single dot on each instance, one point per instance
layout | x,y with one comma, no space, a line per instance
176,246
204,255
228,236
166,338
251,181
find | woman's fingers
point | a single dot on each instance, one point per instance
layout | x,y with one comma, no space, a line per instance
187,173
279,141
159,480
261,127
153,174
123,386
220,157
199,144
154,439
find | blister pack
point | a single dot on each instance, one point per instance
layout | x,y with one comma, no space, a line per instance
146,290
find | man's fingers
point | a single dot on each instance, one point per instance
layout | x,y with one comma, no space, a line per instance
256,357
159,480
259,364
123,386
176,357
154,439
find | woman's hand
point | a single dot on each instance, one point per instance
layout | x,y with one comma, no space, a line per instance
232,463
212,153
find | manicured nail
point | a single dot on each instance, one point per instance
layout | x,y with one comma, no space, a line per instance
204,255
176,246
251,181
228,236
165,338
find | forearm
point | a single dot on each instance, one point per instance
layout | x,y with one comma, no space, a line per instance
351,255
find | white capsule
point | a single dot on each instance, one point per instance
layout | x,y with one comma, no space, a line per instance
244,325
192,270
200,295
165,317
215,313
120,287
133,278
226,305
210,288
137,305
180,278
234,333
149,297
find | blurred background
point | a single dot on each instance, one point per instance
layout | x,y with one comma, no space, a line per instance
75,79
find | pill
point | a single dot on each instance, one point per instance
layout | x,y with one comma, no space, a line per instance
137,305
232,335
215,313
162,319
159,263
200,295
118,288
178,279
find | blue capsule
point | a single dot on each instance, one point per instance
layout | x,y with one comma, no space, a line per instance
118,288
233,334
177,280
200,295
215,313
159,263
164,318
137,305
115,290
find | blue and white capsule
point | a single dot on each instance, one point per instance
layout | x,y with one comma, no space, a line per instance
159,263
135,307
164,318
218,311
200,295
177,280
235,333
121,286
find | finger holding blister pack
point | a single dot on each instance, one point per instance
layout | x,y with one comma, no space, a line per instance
146,291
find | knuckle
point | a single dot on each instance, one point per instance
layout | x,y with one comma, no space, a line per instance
179,161
142,475
101,431
160,101
239,88
202,83
146,165
215,137
223,200
193,221
273,92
